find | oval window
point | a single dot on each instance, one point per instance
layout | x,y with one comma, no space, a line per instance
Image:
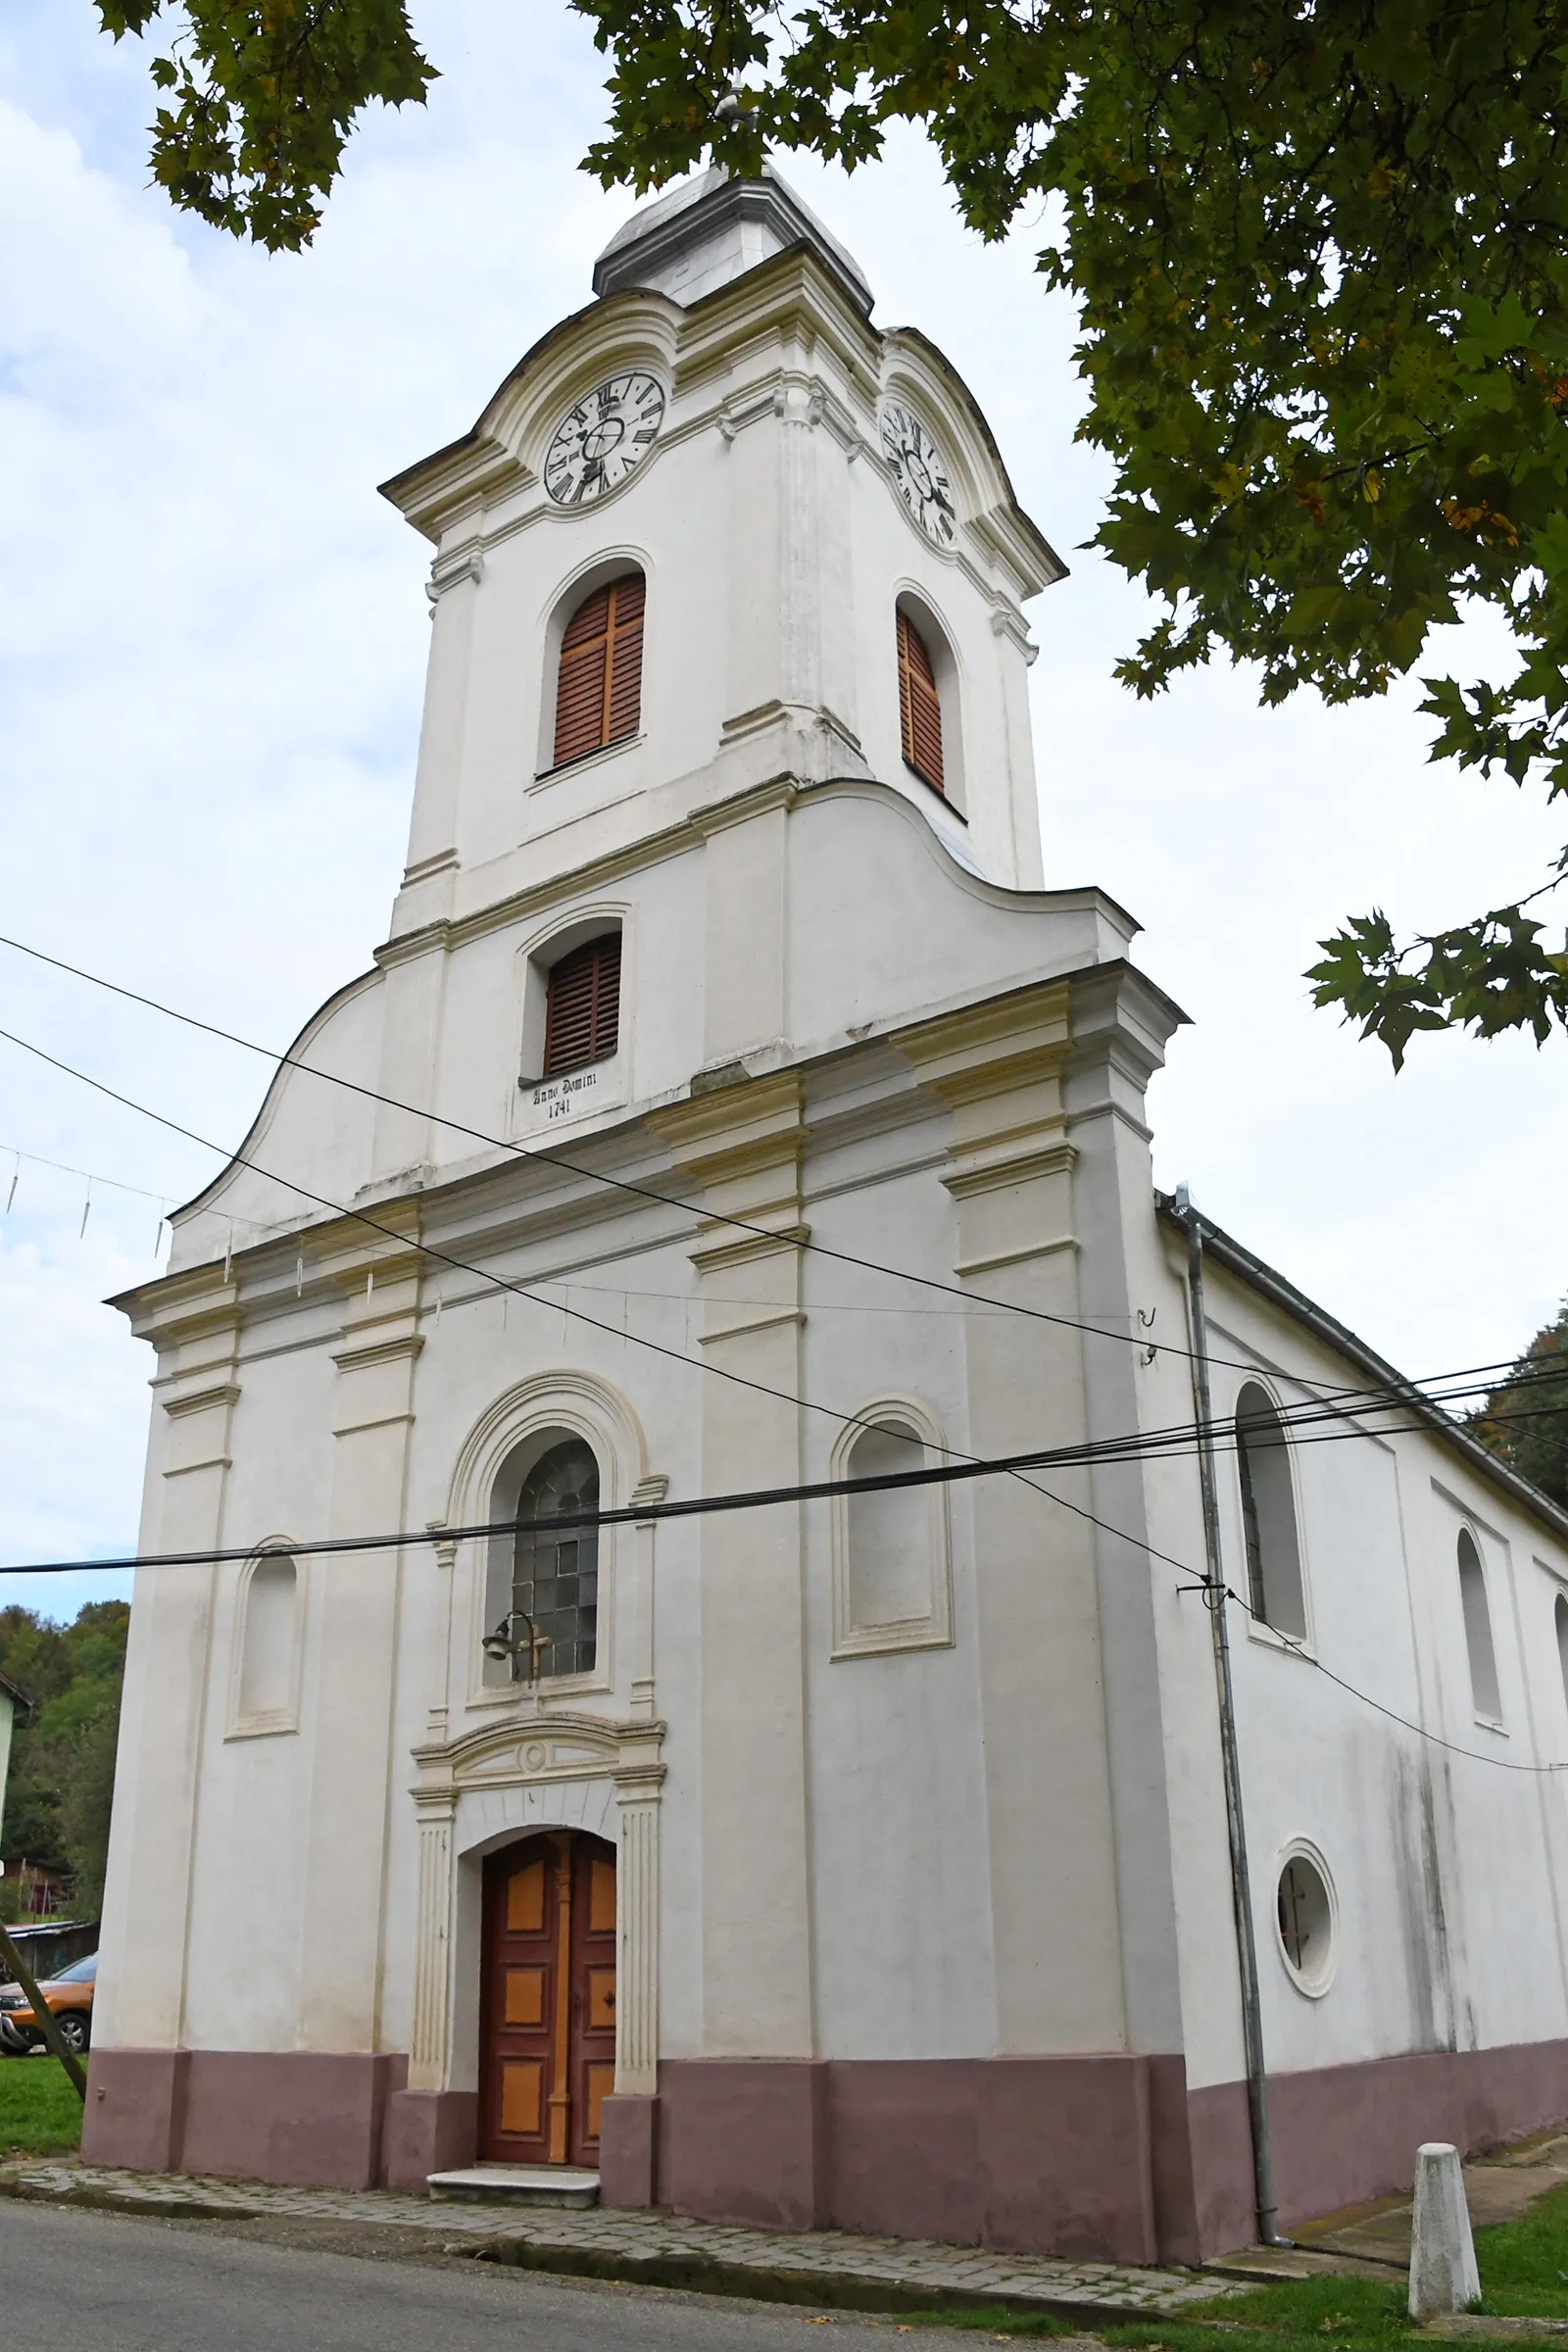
1306,1922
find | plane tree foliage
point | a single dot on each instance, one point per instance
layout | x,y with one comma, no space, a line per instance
1317,249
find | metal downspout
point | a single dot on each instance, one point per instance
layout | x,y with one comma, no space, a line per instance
1214,1599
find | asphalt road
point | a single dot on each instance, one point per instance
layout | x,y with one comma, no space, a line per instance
90,2282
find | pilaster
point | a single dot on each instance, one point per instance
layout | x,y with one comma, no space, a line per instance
742,1145
357,1633
194,1323
1000,1066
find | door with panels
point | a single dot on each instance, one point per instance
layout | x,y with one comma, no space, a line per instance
548,1999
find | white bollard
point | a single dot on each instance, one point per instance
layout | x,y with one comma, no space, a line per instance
1443,2252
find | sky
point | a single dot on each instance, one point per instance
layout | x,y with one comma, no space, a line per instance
210,670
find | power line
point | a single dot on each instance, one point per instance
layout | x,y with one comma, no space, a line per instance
1137,1445
967,1299
463,1265
1335,1406
761,1498
1299,1650
554,1160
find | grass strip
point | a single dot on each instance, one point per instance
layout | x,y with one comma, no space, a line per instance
40,2113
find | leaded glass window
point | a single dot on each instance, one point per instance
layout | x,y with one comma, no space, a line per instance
556,1573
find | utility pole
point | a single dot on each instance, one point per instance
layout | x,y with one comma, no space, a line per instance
1215,1597
43,2015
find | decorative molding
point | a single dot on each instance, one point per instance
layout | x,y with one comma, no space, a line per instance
266,1722
1007,621
537,1750
425,869
430,2040
932,1627
468,567
378,1352
750,1324
989,1261
637,1940
1006,1166
748,1248
202,1400
590,1408
559,1752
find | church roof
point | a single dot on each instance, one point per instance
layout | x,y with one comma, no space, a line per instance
713,228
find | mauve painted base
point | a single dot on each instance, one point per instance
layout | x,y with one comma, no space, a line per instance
627,2149
1053,2154
302,2119
1107,2157
428,2132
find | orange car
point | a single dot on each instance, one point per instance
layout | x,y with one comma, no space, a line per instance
69,1996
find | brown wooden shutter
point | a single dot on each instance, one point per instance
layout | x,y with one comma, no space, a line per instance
599,687
582,1007
919,708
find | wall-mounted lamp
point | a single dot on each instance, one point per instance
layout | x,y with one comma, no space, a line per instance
504,1645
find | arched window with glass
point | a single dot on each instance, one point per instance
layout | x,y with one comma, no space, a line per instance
1275,1590
1478,1641
554,1577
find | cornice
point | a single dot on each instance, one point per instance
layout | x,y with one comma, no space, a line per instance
989,1047
720,1257
379,1352
993,1170
687,832
202,1400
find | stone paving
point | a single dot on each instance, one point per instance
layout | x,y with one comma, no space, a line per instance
616,2243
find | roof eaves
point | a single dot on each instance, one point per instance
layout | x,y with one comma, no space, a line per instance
1282,1292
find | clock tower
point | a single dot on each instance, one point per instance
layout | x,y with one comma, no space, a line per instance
789,480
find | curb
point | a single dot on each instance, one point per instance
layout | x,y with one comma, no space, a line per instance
841,2290
689,2273
120,2200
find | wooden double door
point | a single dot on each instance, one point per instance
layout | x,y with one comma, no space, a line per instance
546,2012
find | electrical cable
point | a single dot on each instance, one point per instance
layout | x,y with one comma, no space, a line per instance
1141,1444
553,1160
463,1265
971,1464
696,1506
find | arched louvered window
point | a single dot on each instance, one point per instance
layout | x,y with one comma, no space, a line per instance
1268,1515
582,1007
600,687
919,706
554,1577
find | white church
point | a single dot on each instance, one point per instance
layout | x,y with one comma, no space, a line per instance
738,1105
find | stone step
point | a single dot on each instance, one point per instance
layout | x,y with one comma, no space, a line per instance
516,2184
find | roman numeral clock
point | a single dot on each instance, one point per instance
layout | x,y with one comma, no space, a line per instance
917,467
608,432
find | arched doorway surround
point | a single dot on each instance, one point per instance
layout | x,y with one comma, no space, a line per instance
547,1998
498,1785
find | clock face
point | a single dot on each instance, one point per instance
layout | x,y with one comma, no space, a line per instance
604,436
916,463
